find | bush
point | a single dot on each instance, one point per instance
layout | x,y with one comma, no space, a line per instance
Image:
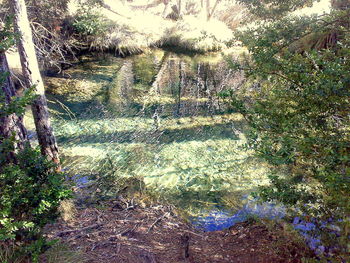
90,24
31,191
298,111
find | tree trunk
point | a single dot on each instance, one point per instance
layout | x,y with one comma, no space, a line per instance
31,74
210,14
165,10
179,7
10,125
208,9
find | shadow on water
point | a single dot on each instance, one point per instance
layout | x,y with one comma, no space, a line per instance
159,136
87,110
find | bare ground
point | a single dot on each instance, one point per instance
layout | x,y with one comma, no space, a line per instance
157,235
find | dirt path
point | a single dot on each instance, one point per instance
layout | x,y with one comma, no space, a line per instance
156,235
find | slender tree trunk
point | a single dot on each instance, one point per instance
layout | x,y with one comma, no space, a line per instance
165,10
179,7
208,9
10,125
210,15
31,74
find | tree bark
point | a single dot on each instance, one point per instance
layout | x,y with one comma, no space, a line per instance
31,74
10,125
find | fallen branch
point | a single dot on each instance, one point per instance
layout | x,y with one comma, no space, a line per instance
155,222
67,232
104,244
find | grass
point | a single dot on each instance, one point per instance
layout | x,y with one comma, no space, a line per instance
9,254
61,253
191,160
136,30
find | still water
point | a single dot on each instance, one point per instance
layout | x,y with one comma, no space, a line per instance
158,117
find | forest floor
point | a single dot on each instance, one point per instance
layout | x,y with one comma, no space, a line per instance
157,234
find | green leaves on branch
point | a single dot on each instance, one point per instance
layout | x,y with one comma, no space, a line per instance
7,37
90,23
18,103
297,102
31,192
272,9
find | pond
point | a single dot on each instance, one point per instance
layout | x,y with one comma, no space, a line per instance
157,116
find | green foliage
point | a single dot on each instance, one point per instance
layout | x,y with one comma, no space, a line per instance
270,9
17,104
90,23
297,103
7,37
31,187
31,191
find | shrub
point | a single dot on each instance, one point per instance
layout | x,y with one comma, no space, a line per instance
31,191
298,111
90,23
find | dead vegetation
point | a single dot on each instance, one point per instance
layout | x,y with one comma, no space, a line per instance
115,232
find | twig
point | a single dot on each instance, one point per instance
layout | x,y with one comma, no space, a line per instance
128,231
97,245
67,232
157,220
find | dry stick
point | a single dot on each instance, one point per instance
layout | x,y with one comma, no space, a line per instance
67,232
123,233
97,245
155,222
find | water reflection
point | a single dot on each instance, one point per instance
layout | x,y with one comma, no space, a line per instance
170,85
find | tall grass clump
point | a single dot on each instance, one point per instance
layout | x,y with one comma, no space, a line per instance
194,34
103,29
